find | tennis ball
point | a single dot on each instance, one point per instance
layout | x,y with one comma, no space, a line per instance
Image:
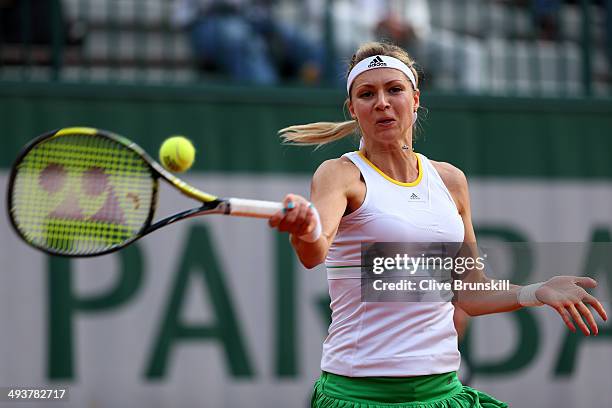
177,154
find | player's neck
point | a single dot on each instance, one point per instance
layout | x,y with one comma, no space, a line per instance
400,164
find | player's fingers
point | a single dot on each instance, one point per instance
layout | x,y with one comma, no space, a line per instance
300,218
585,282
578,319
566,318
292,212
291,201
309,224
586,314
289,198
293,218
591,300
276,219
310,221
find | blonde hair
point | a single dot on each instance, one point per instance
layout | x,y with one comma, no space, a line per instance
321,133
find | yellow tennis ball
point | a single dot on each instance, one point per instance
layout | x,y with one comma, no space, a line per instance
177,154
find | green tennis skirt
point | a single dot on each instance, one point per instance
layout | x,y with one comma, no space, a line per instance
427,391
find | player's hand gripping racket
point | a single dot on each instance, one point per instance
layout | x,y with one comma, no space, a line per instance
86,192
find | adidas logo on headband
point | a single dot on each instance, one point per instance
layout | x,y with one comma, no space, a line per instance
377,62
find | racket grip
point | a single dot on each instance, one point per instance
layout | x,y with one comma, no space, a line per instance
253,208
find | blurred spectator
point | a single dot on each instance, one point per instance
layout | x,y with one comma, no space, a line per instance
546,14
592,2
243,39
31,22
442,53
609,31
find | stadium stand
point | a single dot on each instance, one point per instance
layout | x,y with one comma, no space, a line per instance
135,41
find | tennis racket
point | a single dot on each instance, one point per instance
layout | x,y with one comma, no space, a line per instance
86,192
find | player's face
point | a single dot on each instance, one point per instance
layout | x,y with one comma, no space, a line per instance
383,102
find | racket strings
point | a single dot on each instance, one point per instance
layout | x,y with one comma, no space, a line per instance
81,194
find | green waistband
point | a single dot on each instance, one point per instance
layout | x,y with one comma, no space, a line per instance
391,389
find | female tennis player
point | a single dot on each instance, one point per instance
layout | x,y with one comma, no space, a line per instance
402,353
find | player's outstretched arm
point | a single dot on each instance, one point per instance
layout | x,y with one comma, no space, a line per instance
565,294
329,188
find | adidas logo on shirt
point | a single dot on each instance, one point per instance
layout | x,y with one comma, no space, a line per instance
377,62
414,197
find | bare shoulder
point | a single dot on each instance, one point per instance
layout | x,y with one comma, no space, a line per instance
337,172
455,181
452,176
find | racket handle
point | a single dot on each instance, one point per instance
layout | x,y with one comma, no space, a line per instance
253,208
266,209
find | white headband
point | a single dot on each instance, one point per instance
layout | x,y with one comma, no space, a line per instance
379,61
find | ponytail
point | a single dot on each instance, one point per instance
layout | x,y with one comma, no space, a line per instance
319,133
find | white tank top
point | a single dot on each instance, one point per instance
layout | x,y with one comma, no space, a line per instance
390,339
